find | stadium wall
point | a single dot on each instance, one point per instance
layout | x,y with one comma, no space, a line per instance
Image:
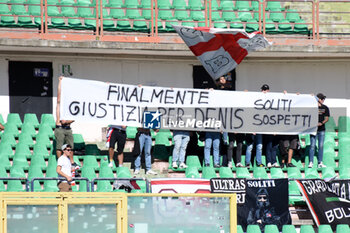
294,74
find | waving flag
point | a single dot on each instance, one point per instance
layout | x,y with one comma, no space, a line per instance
220,50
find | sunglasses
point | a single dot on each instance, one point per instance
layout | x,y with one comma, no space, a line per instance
68,149
262,198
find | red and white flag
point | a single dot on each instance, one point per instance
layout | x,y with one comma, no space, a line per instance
220,50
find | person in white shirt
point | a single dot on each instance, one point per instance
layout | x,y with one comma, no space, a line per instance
64,169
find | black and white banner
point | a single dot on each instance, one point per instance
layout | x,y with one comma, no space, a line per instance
259,202
187,109
329,202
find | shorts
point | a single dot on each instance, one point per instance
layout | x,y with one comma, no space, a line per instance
120,137
64,187
63,136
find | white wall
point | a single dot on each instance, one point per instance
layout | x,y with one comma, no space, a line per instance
332,78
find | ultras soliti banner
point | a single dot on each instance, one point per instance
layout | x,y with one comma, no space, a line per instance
187,109
259,202
329,202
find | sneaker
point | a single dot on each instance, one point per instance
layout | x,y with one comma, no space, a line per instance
207,165
137,171
321,165
311,164
275,165
261,165
183,165
174,164
269,165
229,164
282,165
150,172
75,166
247,166
216,166
110,164
239,165
290,165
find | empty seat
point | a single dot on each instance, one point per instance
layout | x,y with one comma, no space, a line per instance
288,229
195,4
17,172
90,161
197,14
92,149
311,173
225,172
271,229
253,229
276,173
180,13
208,173
6,150
242,172
131,132
15,186
260,172
328,172
192,172
46,129
31,118
11,128
274,5
26,139
43,139
342,228
242,5
104,186
29,129
307,229
106,172
37,160
325,228
48,119
123,172
252,25
277,16
13,118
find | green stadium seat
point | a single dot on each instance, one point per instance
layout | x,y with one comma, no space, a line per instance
252,26
242,172
197,14
325,228
328,172
188,24
195,4
208,173
79,143
88,172
31,118
301,27
37,160
8,138
311,173
245,15
343,124
225,172
285,27
169,27
15,186
6,150
40,149
292,16
276,173
35,172
46,129
43,139
50,186
4,162
227,11
260,172
106,172
288,229
239,229
294,192
193,161
214,5
270,27
11,128
48,119
242,5
277,16
329,161
180,13
220,24
164,3
255,5
274,5
117,13
104,186
342,228
90,161
123,172
147,4
294,172
344,172
271,229
28,129
20,160
164,13
307,229
133,12
26,139
17,171
253,229
51,170
131,132
131,2
83,9
92,149
215,16
192,172
237,24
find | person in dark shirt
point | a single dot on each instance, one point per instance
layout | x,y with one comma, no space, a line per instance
323,117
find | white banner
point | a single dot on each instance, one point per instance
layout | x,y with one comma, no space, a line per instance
180,185
188,109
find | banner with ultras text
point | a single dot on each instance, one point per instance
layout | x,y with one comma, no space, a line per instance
187,109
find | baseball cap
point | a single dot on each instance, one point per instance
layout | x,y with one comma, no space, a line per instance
65,146
321,96
265,87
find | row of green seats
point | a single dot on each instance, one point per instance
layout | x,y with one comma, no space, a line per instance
29,118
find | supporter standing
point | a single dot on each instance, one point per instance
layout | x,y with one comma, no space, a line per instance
181,139
287,145
64,169
63,131
212,138
323,117
116,134
239,138
145,140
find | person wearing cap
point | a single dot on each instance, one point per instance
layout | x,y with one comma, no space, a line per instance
323,117
64,169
